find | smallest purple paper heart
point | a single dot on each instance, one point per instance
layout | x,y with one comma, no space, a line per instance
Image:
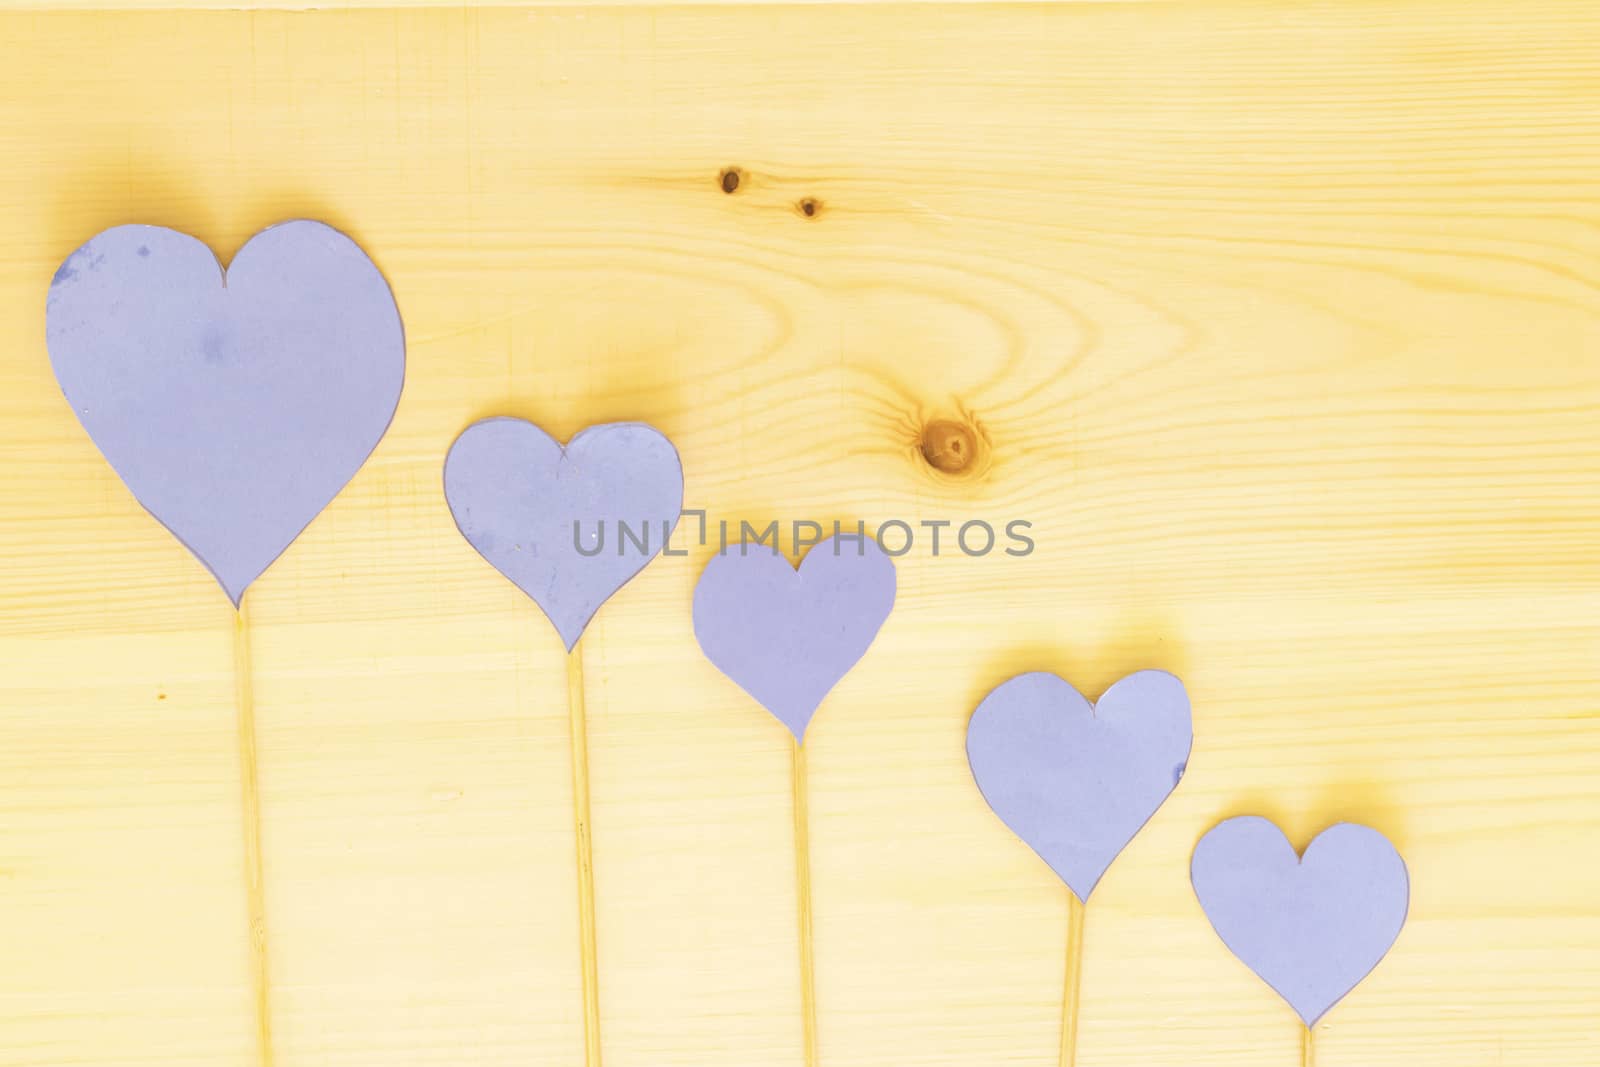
786,635
1311,927
1075,780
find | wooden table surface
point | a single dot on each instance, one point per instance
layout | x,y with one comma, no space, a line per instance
1279,322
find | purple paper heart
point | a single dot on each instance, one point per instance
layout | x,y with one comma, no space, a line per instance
787,635
524,501
233,404
1311,927
1075,780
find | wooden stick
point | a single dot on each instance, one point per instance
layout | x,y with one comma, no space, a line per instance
1308,1051
1069,992
250,789
802,867
579,725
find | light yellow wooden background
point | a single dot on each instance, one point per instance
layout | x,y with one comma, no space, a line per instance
1282,326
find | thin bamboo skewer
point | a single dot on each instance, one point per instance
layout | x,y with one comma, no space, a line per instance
250,790
1069,992
579,726
802,862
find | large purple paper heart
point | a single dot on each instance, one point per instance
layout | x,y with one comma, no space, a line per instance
1311,927
787,635
569,525
1075,780
233,404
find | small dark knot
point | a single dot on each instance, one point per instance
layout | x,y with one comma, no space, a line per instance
949,446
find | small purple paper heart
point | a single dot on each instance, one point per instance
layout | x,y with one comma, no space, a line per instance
1311,927
540,512
1075,780
787,635
234,404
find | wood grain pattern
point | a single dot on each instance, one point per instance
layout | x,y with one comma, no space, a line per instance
1281,324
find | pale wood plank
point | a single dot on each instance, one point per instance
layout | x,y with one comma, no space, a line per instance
1280,324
